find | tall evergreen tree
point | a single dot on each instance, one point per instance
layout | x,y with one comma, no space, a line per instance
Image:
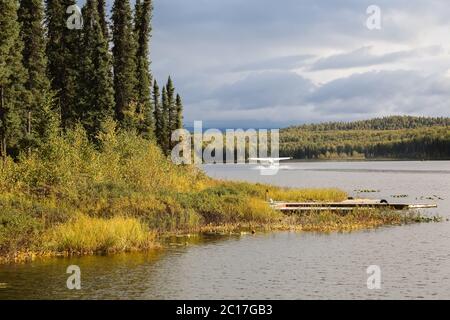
31,15
157,112
165,128
63,53
101,8
142,25
12,77
96,83
171,108
179,108
124,54
54,17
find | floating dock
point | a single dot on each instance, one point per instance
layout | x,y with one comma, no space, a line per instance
348,205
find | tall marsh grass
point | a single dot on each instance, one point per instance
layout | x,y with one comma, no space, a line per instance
84,234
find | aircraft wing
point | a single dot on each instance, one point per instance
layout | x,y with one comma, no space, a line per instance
269,159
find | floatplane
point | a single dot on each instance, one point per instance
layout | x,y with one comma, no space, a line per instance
269,166
270,163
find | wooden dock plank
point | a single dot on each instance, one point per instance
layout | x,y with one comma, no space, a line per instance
347,205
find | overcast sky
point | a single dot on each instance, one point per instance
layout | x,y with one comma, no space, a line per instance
266,63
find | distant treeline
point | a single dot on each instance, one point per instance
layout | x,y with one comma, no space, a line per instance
386,123
396,137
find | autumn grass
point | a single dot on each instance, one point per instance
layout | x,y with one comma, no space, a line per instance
85,234
120,193
323,222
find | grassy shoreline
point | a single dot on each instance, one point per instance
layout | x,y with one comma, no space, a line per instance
75,197
94,237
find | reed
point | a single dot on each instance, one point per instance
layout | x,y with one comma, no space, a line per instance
84,234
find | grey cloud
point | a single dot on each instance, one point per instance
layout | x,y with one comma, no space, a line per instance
363,57
275,63
374,84
386,91
286,98
265,89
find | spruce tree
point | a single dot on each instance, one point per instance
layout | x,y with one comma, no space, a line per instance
63,52
101,8
142,25
54,17
179,108
137,19
30,16
124,61
165,128
171,108
157,112
96,85
12,78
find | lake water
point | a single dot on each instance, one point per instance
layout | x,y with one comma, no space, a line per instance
414,260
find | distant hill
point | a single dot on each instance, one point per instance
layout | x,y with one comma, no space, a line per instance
395,137
385,123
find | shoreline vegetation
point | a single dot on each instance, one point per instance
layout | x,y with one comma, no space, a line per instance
121,193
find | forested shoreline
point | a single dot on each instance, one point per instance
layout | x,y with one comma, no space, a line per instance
396,137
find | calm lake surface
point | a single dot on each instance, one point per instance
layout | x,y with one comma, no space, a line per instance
414,259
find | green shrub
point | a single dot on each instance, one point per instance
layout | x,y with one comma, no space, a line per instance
17,230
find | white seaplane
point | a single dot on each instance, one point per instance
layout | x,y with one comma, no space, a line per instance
269,165
269,161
